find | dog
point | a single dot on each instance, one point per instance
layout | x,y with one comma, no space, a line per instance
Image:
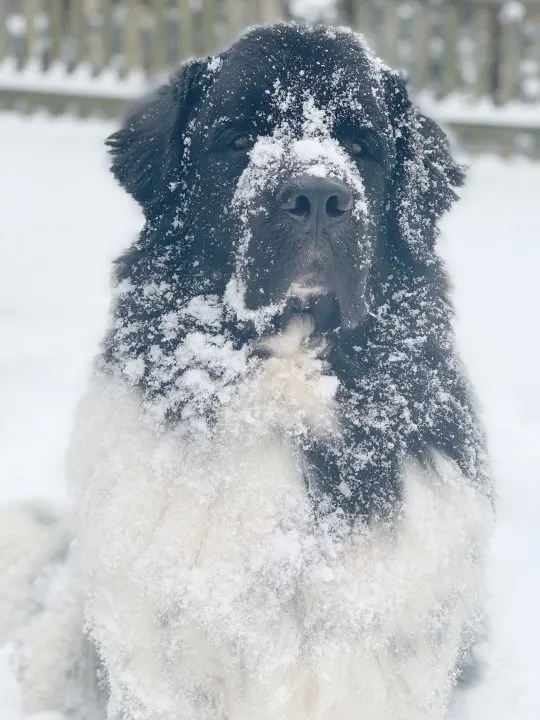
280,482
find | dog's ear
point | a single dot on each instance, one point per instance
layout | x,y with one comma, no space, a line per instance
425,173
144,147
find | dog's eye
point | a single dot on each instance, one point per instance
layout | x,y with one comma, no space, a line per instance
243,142
362,146
359,149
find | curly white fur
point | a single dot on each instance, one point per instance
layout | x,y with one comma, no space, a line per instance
213,593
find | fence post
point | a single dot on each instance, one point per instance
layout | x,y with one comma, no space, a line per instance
208,20
158,37
391,34
362,19
450,58
185,30
510,17
79,29
132,37
420,47
29,7
107,30
483,53
270,11
234,19
55,31
3,30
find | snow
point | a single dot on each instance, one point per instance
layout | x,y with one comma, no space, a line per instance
314,150
81,82
63,220
462,110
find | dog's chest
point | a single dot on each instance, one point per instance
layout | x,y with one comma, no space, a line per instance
205,510
239,504
205,560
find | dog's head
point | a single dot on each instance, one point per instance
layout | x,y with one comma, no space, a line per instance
282,169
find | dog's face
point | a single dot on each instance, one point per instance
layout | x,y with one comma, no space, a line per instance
285,168
292,150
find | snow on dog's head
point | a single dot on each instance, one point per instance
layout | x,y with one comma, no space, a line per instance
286,176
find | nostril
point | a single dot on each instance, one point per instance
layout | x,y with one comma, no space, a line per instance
332,207
337,205
299,206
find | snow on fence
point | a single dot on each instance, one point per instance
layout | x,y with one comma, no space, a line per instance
474,63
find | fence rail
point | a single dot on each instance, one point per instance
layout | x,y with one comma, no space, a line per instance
94,55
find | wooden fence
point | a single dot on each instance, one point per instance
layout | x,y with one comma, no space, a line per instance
95,55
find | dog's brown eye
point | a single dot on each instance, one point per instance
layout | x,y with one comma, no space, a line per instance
242,142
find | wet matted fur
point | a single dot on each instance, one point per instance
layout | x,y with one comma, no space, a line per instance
279,475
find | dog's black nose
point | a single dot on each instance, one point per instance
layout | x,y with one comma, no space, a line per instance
315,200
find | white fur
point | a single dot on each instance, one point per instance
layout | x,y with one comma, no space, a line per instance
214,595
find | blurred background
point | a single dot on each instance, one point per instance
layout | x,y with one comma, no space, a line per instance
474,63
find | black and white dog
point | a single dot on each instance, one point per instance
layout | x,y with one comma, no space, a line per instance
280,482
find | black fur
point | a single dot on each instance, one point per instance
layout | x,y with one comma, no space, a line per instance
403,391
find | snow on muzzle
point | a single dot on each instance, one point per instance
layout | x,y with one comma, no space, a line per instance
304,229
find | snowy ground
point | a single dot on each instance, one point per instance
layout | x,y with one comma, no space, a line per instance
62,220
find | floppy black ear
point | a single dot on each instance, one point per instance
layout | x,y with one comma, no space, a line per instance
425,174
143,148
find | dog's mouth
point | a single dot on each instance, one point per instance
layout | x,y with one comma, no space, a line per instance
321,308
314,299
314,310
